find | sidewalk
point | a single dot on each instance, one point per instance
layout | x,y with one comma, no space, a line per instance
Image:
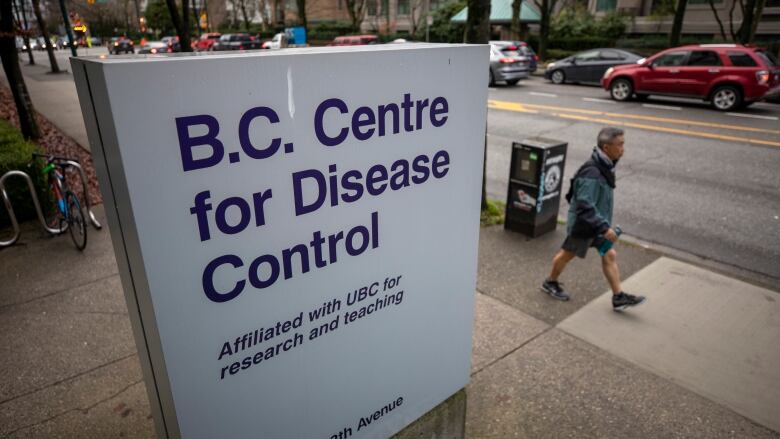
540,368
698,360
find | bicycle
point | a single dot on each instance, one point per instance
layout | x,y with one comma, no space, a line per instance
69,213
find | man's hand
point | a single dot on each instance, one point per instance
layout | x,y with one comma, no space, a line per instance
611,235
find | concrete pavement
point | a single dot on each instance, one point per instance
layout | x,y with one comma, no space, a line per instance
698,360
540,368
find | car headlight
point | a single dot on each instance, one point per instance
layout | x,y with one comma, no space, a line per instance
609,71
551,65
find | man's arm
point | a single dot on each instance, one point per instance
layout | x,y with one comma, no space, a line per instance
589,221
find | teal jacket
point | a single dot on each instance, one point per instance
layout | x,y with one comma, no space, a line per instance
591,198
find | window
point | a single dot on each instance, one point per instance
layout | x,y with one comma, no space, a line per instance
403,7
606,5
671,59
741,59
611,55
591,55
704,58
768,58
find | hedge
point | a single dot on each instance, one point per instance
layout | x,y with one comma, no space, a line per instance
16,154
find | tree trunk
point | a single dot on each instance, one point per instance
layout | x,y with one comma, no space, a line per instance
717,18
196,15
302,13
515,26
478,22
679,15
478,32
263,16
137,14
45,32
13,73
747,21
181,23
244,15
25,34
545,10
759,10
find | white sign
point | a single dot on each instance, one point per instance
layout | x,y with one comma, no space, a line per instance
296,231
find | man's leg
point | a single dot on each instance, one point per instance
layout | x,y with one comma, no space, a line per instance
561,259
551,285
620,300
611,272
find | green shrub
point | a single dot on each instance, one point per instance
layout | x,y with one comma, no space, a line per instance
15,154
328,30
494,214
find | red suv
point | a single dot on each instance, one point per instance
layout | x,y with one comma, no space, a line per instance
728,75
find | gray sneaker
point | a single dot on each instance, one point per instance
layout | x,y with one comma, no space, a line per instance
622,301
553,288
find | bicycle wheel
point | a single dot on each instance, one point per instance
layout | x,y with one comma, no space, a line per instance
77,224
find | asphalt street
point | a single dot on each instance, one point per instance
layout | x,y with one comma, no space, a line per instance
692,179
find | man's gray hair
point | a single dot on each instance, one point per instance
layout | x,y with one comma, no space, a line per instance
607,135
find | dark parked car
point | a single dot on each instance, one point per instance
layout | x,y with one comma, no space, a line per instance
522,48
729,76
589,66
236,42
121,45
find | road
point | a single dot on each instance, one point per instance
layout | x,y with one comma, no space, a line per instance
692,179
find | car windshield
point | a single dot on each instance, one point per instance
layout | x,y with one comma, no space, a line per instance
768,58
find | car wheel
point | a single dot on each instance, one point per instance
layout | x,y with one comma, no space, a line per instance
726,98
558,77
512,82
492,79
621,89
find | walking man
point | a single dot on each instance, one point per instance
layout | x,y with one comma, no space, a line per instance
589,221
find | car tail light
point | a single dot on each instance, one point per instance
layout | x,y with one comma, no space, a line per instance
170,50
762,76
510,48
506,61
153,51
241,47
536,57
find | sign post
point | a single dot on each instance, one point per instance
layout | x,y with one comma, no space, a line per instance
297,239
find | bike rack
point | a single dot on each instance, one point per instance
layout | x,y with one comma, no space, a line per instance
12,215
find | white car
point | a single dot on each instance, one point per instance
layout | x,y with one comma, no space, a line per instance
277,42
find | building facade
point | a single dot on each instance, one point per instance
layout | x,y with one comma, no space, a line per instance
699,21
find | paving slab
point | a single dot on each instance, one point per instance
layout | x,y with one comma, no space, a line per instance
499,329
63,335
718,336
512,267
558,386
104,402
39,264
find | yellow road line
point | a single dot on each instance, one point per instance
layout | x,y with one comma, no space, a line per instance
670,130
503,105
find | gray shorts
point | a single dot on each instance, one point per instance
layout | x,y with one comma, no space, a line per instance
580,246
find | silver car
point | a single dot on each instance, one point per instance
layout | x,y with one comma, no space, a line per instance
507,66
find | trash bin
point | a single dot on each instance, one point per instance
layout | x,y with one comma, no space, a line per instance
535,184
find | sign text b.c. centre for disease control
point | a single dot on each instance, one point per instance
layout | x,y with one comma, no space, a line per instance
332,187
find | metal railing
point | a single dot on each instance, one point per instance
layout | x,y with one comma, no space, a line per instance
34,196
